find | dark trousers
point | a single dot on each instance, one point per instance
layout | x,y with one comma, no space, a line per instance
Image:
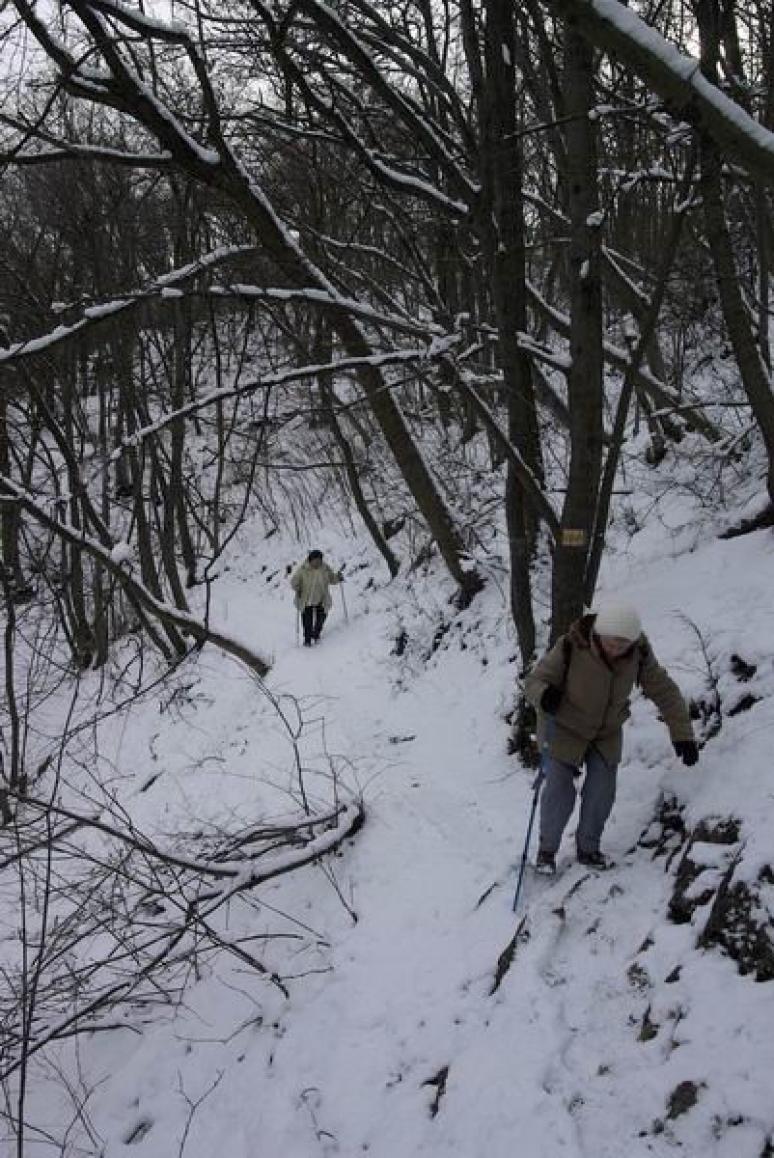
313,619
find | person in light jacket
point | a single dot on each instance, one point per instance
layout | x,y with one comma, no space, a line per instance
311,583
581,691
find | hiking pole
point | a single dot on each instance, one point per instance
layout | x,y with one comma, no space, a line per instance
298,628
538,782
536,786
344,602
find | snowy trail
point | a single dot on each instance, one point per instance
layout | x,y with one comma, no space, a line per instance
581,1035
409,992
392,1044
408,995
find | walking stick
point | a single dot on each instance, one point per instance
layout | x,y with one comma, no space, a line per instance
344,602
536,786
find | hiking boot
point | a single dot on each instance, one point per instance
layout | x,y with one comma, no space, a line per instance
545,863
595,860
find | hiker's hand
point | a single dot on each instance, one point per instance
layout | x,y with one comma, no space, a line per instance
687,750
550,700
340,576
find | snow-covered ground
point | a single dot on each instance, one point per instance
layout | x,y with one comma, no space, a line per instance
610,1033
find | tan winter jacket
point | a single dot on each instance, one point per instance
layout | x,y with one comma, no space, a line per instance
595,703
311,585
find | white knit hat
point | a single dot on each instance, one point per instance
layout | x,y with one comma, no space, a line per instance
618,619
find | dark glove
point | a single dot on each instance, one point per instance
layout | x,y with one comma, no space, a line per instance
551,699
687,750
340,576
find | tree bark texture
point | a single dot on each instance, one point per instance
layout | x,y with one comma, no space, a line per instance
502,218
585,375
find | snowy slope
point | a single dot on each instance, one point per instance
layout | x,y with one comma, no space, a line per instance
610,1033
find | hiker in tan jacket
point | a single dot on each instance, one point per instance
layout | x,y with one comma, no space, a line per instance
311,583
581,691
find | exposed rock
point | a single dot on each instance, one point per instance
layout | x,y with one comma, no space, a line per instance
505,960
741,923
401,642
740,919
706,713
747,701
648,1029
682,1099
439,1082
742,670
686,897
442,630
667,832
638,977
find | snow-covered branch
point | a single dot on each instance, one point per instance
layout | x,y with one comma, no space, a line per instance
115,562
409,114
165,286
676,77
149,942
308,839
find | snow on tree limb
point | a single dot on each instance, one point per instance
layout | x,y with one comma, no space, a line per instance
93,315
676,77
195,889
11,492
300,843
338,30
166,287
266,381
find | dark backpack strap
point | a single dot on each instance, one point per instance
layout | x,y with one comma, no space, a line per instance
567,653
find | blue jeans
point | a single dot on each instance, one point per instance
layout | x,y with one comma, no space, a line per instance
558,800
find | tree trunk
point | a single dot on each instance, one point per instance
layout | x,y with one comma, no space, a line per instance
502,219
585,375
180,394
13,746
9,515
